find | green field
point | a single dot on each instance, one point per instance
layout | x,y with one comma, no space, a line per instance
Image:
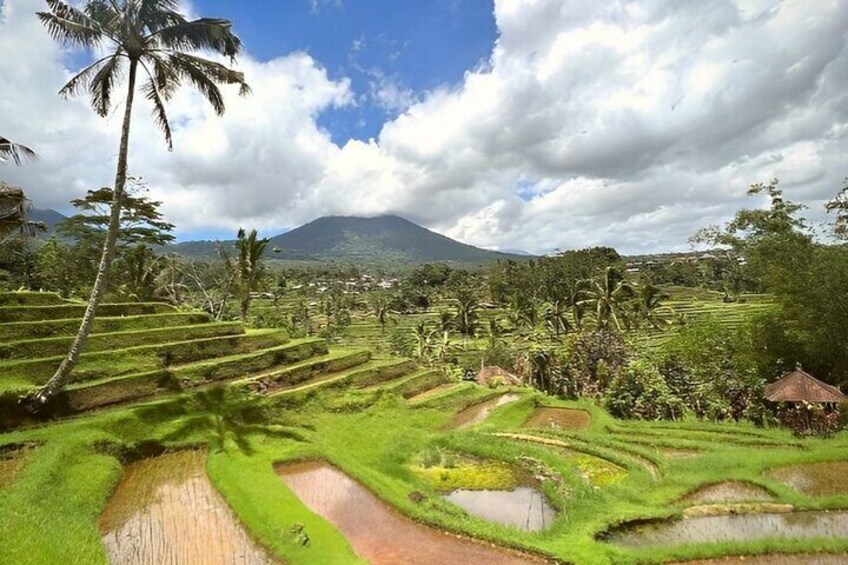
375,418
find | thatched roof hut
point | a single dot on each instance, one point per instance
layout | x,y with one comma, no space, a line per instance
491,373
800,386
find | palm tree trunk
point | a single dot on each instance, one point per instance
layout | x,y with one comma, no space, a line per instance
62,375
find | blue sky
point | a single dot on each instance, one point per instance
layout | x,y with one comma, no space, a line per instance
414,45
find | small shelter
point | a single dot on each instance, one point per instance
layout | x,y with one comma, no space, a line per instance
491,374
800,386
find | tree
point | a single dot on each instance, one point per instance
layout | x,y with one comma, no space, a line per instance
556,317
247,270
648,306
839,204
607,296
467,316
14,213
140,221
15,152
138,36
382,308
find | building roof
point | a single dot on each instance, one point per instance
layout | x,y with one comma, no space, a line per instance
800,386
489,372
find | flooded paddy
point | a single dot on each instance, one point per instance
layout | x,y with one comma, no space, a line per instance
816,479
523,507
679,453
477,413
377,532
728,491
732,527
165,510
559,418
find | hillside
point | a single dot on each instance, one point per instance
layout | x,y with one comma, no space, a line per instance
384,239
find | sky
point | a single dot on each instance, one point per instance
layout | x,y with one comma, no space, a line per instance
508,124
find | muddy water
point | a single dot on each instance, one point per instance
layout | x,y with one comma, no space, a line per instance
473,415
165,510
816,479
559,418
524,508
734,527
728,491
775,559
377,532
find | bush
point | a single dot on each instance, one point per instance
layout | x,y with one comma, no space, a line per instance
640,392
595,360
811,420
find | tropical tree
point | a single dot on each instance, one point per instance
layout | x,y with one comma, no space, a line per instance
15,152
839,204
648,307
381,305
139,37
467,315
246,270
14,213
555,314
608,296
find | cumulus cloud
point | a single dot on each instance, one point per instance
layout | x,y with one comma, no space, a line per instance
621,123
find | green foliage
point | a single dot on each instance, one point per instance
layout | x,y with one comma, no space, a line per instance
639,391
595,359
811,420
247,270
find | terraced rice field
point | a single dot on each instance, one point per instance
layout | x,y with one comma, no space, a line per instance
614,492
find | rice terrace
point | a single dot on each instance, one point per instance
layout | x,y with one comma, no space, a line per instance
621,338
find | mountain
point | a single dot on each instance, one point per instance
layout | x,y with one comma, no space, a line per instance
50,218
347,239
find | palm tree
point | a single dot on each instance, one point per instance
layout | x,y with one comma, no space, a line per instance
139,36
381,308
467,315
246,270
15,152
608,297
556,316
649,306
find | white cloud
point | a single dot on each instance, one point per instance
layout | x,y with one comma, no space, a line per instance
622,123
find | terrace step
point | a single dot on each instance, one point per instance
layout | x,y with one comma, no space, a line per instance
30,299
274,381
68,310
417,383
86,396
48,347
438,393
357,378
18,331
144,358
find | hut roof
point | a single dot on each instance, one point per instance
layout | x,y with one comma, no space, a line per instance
800,386
489,372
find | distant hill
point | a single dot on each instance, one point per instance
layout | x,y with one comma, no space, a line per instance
348,239
50,218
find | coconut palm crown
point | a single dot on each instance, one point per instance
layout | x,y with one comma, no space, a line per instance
147,37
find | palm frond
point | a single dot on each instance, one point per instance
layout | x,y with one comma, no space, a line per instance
16,152
102,84
154,94
83,79
203,34
69,25
188,68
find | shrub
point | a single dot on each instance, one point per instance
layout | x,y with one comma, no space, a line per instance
640,392
811,420
596,359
